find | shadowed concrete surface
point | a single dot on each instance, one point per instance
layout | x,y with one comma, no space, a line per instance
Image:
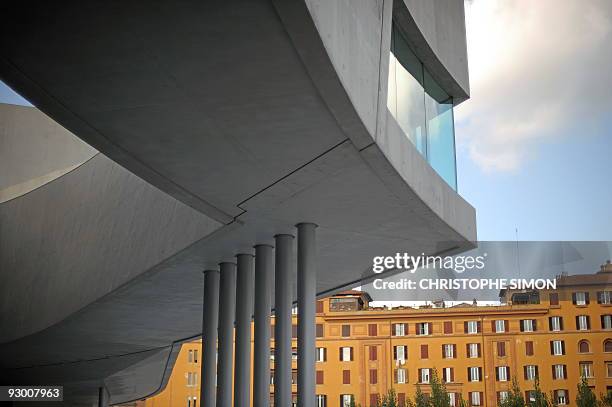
250,116
27,167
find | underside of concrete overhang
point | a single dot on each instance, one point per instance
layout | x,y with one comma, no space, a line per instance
233,109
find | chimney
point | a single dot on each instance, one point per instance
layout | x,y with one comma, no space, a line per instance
606,268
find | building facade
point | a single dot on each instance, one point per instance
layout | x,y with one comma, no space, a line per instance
556,335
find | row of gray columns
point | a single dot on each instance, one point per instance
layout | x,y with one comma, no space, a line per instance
229,294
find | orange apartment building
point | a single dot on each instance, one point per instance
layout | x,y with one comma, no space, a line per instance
477,350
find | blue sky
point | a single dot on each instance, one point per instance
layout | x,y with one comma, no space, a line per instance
534,142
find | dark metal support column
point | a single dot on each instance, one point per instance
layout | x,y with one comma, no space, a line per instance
307,290
264,276
227,314
244,313
282,318
103,397
210,321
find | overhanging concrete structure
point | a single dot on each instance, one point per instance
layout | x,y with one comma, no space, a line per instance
219,125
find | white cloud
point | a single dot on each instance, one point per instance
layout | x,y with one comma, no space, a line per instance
538,69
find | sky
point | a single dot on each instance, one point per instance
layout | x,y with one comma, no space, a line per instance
534,141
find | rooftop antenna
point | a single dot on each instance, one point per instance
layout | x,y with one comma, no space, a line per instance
518,256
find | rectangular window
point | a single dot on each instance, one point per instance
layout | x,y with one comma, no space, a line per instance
604,297
502,396
346,331
373,352
424,352
401,376
501,349
448,351
319,307
195,356
346,354
474,374
475,398
423,328
586,369
472,327
557,348
424,375
294,354
321,400
530,372
448,327
319,330
559,372
346,377
319,377
529,348
528,325
373,399
422,109
580,298
555,324
190,356
294,331
502,373
583,322
473,350
609,369
448,375
500,326
606,322
372,330
345,400
321,354
399,353
452,399
561,397
530,396
553,298
373,376
399,330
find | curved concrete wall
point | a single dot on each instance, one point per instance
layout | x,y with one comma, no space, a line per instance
82,235
442,25
34,150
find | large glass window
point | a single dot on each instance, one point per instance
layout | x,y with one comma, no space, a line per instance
423,110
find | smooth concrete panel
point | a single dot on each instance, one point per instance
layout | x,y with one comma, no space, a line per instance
81,236
212,108
421,179
34,150
436,31
351,31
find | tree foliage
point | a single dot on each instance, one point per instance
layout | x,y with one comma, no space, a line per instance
585,396
515,397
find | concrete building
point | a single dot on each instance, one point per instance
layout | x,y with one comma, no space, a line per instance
177,138
555,335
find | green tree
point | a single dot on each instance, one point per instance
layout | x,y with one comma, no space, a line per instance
439,395
389,399
540,398
515,397
605,400
461,401
585,396
420,400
